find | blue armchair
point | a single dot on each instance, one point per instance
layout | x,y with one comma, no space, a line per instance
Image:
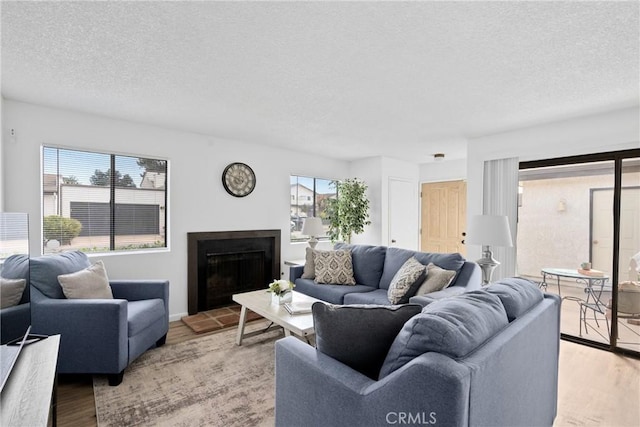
15,320
98,336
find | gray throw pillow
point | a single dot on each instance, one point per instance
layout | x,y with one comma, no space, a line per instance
11,291
309,271
90,283
406,281
437,279
359,335
333,267
453,327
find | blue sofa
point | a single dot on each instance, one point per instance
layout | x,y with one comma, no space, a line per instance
98,336
15,320
484,358
374,268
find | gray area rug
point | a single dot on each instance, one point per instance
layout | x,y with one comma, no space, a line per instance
207,381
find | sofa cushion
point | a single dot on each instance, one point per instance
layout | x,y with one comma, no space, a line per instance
437,279
333,267
11,291
374,296
395,257
452,326
309,271
368,261
143,313
406,281
91,282
330,293
359,335
517,295
45,270
17,267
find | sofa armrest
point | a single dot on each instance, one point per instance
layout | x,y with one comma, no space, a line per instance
93,332
135,290
313,389
295,272
470,277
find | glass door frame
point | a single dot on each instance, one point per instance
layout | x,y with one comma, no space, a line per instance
617,157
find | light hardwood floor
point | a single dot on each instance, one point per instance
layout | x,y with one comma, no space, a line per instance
596,388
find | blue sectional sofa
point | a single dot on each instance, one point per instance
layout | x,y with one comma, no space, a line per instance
483,358
15,320
374,268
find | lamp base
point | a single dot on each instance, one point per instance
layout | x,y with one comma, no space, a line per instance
313,242
487,264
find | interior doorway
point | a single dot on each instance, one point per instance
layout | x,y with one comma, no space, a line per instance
443,219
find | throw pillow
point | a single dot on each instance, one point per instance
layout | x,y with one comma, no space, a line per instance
406,281
11,291
359,335
334,267
517,295
309,271
453,327
90,283
437,279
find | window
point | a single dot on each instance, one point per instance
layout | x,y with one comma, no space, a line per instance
86,207
309,198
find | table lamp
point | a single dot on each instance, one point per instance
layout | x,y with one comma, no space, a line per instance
312,227
488,230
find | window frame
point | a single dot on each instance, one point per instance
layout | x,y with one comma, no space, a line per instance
113,188
313,200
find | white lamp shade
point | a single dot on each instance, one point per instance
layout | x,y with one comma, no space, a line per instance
489,230
312,227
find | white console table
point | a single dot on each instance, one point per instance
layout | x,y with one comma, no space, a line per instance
28,397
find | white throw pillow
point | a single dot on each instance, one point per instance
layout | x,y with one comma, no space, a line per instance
404,281
90,283
11,291
437,279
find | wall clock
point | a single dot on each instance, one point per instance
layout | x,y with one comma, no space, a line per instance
238,179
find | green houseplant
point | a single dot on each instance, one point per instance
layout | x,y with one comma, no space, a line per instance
348,213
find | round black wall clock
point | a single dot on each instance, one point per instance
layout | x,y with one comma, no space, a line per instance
238,179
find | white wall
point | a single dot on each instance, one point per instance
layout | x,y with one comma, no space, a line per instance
197,199
376,172
448,170
2,133
611,131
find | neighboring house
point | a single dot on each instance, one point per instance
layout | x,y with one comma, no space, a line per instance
301,199
139,210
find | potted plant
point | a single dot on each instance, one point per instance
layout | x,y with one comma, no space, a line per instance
348,213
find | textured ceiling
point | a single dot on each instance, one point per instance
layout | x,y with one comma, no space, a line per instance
347,80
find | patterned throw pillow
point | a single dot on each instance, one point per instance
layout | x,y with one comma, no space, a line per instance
405,281
333,267
437,279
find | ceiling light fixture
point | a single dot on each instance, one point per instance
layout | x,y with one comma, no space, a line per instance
438,157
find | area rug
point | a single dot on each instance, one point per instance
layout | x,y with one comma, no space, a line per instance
207,381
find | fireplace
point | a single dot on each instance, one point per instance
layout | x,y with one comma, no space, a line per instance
224,263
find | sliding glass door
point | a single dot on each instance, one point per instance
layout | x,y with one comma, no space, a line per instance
578,233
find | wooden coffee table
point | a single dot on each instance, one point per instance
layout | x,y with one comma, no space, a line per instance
260,303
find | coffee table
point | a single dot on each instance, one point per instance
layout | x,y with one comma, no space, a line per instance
260,303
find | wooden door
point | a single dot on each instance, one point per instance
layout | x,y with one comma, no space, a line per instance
444,216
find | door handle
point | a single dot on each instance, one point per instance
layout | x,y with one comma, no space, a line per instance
462,241
595,242
393,240
464,234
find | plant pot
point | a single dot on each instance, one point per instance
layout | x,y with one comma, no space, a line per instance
281,299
